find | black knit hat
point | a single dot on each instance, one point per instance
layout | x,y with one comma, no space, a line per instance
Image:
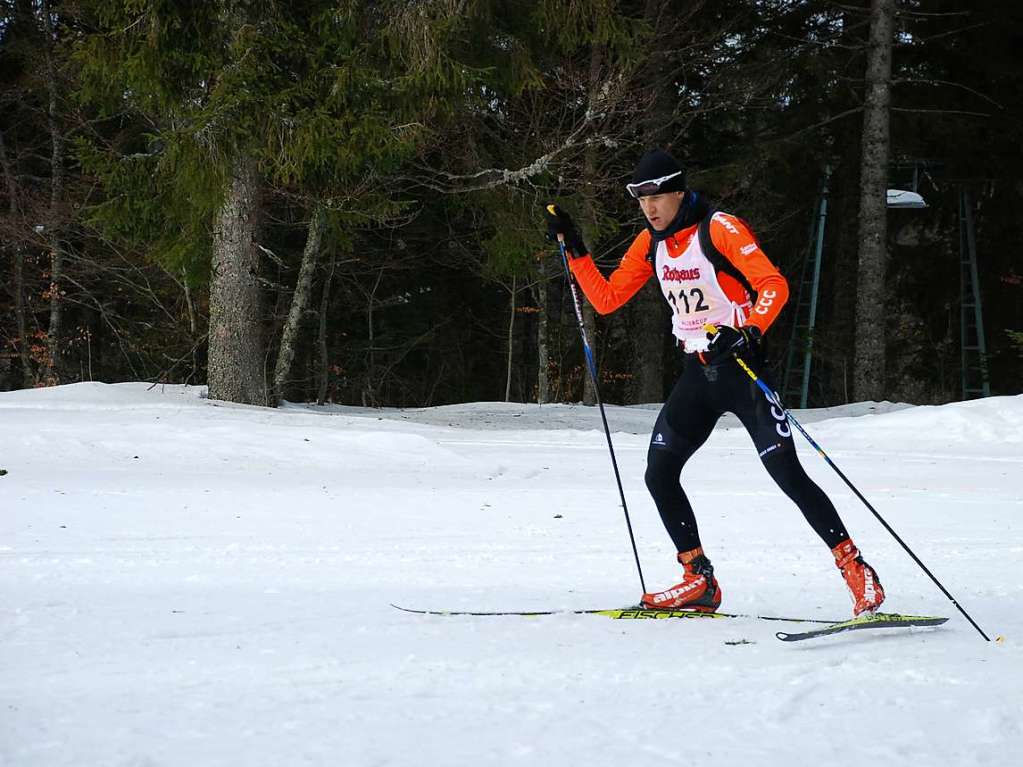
657,172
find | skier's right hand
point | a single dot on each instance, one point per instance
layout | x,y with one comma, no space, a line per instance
726,341
560,223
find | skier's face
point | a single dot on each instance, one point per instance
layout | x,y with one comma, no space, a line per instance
661,209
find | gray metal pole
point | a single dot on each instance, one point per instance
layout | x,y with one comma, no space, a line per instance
822,218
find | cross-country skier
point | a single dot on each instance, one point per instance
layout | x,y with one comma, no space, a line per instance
712,272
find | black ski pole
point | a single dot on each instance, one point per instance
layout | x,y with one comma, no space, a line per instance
592,366
776,400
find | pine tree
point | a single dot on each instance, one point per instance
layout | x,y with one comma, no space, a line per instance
245,98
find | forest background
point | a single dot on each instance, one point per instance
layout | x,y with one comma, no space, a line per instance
342,201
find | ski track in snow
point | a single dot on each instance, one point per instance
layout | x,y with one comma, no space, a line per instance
190,582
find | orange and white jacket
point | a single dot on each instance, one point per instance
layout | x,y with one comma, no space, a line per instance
736,285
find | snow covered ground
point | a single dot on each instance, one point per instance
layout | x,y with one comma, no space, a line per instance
186,582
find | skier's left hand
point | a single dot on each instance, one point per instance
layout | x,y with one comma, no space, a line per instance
726,341
561,225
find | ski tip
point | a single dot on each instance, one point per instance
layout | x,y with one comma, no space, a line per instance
405,609
871,621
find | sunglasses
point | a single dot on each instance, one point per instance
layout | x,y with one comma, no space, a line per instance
653,186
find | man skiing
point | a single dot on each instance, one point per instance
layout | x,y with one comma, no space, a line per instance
724,294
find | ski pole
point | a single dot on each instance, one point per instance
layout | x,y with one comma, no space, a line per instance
775,399
592,367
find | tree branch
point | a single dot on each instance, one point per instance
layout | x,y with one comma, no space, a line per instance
929,81
940,112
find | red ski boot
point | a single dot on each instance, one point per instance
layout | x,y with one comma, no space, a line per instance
864,586
698,590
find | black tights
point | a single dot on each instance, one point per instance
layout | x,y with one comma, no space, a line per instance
701,395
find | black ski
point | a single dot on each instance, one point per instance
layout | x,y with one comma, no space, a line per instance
624,613
875,621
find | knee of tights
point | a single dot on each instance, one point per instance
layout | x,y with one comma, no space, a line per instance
662,468
787,472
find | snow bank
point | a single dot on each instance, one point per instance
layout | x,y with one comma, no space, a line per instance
184,581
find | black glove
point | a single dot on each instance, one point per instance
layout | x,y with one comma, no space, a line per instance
726,341
559,222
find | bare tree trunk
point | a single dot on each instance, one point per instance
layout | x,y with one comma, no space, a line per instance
52,230
193,325
648,324
28,378
236,338
590,325
540,288
193,322
511,342
590,177
321,395
869,371
299,302
369,398
18,273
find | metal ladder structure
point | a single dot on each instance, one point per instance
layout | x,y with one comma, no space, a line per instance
796,381
974,349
